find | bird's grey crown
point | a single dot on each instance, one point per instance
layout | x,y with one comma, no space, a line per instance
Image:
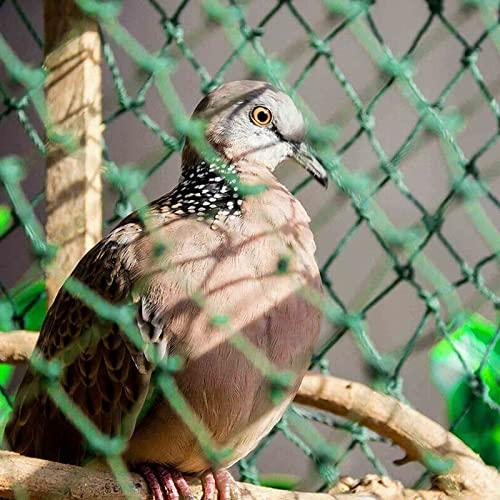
207,191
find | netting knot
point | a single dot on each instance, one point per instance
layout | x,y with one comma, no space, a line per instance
396,68
283,264
430,300
325,278
435,6
319,45
174,30
169,366
432,222
394,386
139,102
469,57
49,370
366,120
405,272
471,169
219,320
251,33
323,136
467,189
467,272
351,321
13,104
325,460
11,170
324,366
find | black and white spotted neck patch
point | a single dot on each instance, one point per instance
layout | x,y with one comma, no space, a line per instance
208,192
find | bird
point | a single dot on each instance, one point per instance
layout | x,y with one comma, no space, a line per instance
220,268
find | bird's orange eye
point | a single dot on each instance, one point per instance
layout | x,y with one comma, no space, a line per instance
261,116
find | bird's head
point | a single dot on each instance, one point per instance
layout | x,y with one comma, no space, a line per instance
250,122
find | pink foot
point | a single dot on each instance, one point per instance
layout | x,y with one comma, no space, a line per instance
165,483
219,484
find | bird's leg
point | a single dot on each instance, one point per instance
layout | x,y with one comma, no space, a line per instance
165,483
182,486
220,482
208,485
152,481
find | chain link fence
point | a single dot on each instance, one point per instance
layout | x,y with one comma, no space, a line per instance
403,266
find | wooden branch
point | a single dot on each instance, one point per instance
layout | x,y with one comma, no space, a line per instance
41,479
382,488
16,347
421,438
73,101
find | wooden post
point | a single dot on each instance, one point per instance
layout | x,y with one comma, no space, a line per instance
73,99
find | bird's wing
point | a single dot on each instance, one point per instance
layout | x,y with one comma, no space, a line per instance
104,373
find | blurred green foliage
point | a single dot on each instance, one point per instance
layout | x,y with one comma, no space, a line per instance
28,302
474,420
6,219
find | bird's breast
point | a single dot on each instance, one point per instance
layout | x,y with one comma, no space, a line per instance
238,312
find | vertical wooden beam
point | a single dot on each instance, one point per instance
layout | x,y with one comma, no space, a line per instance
73,99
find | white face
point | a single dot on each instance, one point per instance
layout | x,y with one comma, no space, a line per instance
254,140
259,124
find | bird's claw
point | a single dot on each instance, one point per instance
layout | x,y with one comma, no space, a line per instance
168,484
165,483
219,484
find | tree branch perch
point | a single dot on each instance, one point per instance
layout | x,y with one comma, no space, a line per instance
420,437
16,347
42,479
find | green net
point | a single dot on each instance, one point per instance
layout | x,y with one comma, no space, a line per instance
136,75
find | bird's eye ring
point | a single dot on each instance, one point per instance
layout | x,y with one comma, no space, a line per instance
261,116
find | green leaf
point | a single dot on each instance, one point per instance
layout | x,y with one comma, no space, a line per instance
6,219
480,427
6,315
28,300
5,374
34,297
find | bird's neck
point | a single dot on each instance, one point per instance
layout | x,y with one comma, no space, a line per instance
207,191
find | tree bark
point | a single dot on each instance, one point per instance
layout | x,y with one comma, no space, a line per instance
40,479
74,130
420,437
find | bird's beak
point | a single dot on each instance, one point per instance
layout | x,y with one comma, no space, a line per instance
303,156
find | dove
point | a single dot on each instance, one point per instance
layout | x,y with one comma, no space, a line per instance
221,273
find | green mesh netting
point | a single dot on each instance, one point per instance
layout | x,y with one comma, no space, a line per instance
405,266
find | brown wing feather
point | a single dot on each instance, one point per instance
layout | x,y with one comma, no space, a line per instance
105,375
